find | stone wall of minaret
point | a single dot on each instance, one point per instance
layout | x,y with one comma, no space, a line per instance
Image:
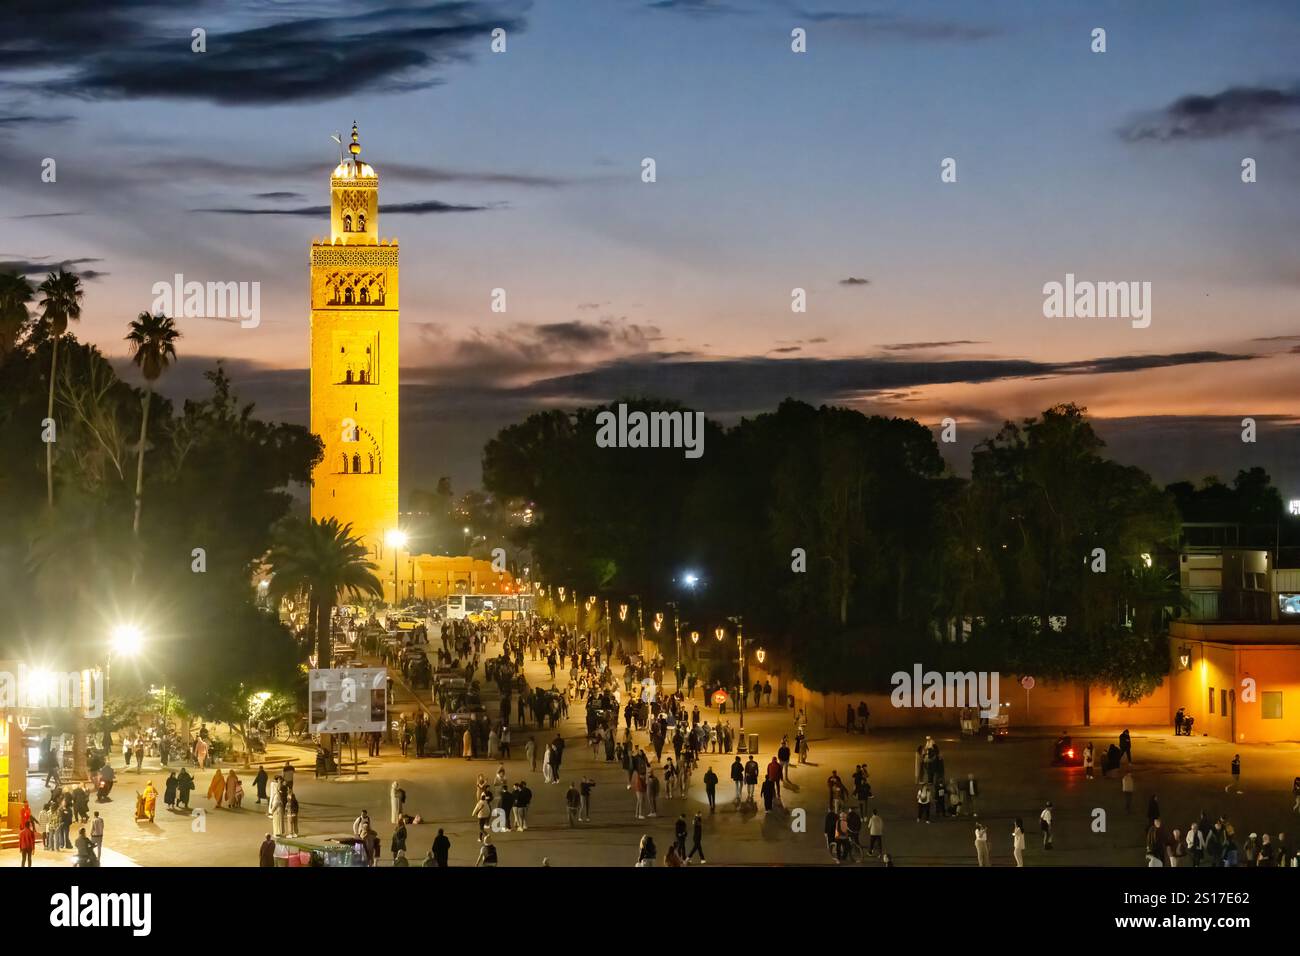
354,360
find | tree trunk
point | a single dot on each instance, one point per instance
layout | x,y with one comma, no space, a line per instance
49,413
325,610
80,768
139,462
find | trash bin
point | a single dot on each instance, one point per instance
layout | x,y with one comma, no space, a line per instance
753,743
740,743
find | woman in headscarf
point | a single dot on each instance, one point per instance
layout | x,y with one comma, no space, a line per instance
260,783
397,797
291,813
467,745
217,788
150,800
232,786
169,791
276,812
184,784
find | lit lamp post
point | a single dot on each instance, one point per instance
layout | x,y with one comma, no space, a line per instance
126,640
677,660
720,633
395,539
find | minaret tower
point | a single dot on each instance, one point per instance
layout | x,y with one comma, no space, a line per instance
354,365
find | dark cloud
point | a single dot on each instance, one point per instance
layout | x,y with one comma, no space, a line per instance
225,170
909,346
272,54
854,280
42,266
786,349
13,122
875,26
1268,111
282,194
694,7
45,215
393,208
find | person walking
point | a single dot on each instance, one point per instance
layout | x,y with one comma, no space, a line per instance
584,790
572,803
923,799
1087,761
1235,769
1126,745
875,833
441,848
266,852
738,776
530,750
1018,842
982,855
972,791
697,835
97,835
679,836
711,789
1045,824
397,801
27,842
1126,785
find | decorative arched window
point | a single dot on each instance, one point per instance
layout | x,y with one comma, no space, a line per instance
364,376
347,296
347,223
371,459
365,296
356,463
347,379
361,222
344,464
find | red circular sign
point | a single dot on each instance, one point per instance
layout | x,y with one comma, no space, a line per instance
719,697
1027,683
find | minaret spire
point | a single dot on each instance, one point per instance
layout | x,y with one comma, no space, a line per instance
355,147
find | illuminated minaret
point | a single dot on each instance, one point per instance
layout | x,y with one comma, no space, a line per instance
354,365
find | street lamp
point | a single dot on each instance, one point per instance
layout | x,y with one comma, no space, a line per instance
677,634
720,633
395,539
125,640
760,655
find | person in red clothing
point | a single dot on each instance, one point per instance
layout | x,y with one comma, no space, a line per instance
774,773
27,842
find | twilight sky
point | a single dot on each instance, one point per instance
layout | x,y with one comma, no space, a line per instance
776,170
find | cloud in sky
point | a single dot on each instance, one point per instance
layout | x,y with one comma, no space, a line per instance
855,280
421,208
43,265
911,346
132,49
1258,110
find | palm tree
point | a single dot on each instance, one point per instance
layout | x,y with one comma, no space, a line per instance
153,348
15,293
62,303
323,557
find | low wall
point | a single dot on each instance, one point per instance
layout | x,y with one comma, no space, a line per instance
1050,704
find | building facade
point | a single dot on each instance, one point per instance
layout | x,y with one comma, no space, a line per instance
354,359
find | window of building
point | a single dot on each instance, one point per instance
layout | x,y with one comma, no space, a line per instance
361,222
1211,700
356,463
1223,702
347,223
1270,704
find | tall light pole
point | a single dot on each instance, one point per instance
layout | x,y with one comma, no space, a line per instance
677,660
395,539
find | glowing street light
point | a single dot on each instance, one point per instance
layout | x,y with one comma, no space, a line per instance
395,539
126,640
622,612
760,655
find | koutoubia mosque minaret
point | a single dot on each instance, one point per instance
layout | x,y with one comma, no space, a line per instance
354,365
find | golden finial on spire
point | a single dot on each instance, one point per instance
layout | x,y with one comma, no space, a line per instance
355,148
